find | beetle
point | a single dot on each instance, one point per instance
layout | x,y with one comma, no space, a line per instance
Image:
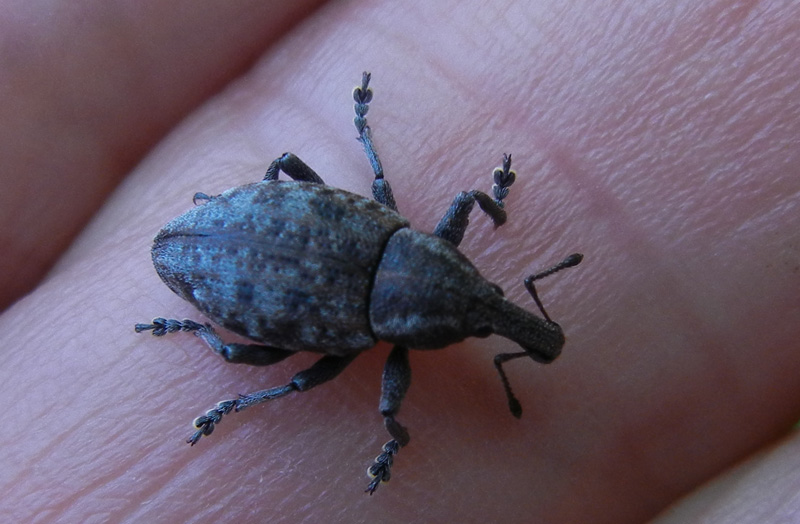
296,265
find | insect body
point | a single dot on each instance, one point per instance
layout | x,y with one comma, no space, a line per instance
282,263
301,266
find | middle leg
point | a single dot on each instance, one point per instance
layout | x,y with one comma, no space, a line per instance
381,190
395,383
325,369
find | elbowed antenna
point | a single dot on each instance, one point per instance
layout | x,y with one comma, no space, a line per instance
571,261
541,339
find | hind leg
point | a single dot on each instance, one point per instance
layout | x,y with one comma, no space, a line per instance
325,369
251,354
290,164
381,190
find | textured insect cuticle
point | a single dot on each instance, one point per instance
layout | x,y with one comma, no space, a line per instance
356,276
225,406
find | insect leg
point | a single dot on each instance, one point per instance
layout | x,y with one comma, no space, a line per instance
252,354
396,379
381,190
323,370
290,164
455,221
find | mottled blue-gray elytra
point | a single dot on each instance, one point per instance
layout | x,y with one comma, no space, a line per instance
301,266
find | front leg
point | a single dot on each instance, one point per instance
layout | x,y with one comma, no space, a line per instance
455,221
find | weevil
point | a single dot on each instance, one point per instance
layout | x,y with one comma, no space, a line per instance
296,265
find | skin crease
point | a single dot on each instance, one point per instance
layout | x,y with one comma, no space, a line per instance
659,143
88,89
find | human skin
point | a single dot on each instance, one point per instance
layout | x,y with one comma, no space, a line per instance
661,143
88,88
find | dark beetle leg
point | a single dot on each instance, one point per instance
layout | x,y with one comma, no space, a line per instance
396,379
455,221
252,354
201,198
289,163
294,167
323,370
397,371
381,190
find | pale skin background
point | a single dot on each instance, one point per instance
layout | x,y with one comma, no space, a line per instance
659,141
